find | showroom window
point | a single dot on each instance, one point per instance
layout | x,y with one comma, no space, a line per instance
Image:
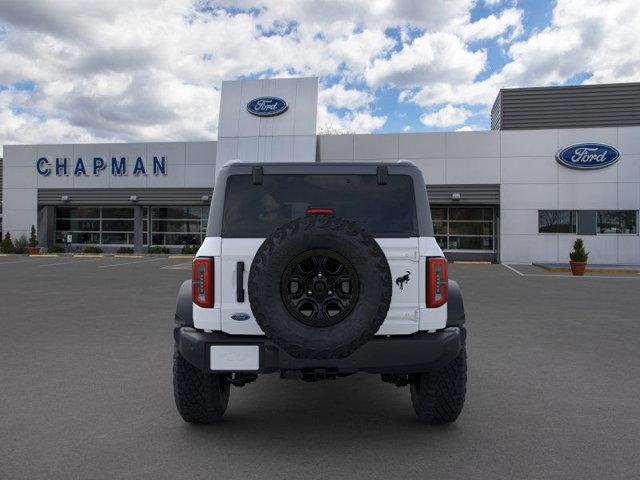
618,222
178,225
463,228
557,221
95,225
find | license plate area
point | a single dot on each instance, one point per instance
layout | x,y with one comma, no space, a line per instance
234,358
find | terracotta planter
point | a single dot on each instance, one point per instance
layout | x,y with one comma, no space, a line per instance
34,250
578,268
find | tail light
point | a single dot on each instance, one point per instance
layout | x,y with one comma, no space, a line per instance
319,211
437,282
202,282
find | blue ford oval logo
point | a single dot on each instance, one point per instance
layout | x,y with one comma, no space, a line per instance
241,317
267,106
588,156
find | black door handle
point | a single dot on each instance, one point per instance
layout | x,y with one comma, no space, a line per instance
240,282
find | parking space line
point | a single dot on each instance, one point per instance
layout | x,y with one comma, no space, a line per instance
69,263
179,266
130,263
513,269
22,261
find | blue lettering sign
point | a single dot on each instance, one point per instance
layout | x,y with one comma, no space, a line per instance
42,165
139,167
61,166
118,167
588,156
160,166
79,170
98,165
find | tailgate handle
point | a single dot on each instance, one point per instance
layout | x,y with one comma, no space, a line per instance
239,282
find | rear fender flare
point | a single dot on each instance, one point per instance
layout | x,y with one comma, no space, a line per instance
455,306
184,306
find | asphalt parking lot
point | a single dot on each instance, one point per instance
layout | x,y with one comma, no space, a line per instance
85,375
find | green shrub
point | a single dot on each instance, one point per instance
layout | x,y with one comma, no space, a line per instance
92,249
21,245
33,238
125,250
55,249
7,244
190,249
158,249
579,254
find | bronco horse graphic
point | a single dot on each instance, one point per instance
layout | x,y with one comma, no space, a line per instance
400,281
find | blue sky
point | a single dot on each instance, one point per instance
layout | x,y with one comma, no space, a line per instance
77,71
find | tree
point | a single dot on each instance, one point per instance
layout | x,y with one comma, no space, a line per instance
7,244
33,238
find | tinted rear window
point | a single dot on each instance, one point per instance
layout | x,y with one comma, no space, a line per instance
257,210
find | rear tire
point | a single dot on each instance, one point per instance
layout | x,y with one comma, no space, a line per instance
200,397
438,397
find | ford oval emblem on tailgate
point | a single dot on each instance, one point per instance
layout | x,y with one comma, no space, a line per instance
240,317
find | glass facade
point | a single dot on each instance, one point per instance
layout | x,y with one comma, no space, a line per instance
464,228
557,221
169,226
178,225
618,222
95,225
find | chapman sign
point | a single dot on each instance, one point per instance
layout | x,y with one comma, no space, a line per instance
96,165
267,106
588,156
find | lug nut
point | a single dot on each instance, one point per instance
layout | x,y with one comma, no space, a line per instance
320,275
329,292
309,292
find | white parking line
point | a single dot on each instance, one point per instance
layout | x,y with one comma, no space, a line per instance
22,261
69,263
179,266
130,263
567,276
513,269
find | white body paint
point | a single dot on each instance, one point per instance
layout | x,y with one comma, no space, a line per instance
407,313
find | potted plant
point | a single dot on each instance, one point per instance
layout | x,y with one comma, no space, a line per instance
33,242
578,258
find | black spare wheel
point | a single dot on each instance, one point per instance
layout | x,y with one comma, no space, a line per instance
320,287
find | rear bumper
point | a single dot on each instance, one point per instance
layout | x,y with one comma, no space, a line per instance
420,352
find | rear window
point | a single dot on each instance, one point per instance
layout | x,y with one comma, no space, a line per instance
257,210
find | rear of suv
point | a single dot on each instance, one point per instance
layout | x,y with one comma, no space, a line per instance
317,271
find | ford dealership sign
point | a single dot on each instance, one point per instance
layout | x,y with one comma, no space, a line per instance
267,106
588,156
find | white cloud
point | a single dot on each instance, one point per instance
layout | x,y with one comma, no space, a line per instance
432,57
447,116
469,128
338,96
151,69
509,20
407,128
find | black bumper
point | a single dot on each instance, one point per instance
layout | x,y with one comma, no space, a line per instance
420,352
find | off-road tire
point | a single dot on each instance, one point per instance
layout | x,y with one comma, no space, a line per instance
200,397
438,397
310,233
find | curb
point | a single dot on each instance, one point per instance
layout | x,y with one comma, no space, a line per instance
127,255
181,256
589,270
88,255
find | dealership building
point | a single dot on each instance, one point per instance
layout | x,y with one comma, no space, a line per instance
559,163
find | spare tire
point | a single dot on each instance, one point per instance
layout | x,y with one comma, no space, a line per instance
320,287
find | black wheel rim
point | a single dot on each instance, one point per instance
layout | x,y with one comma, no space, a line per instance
319,288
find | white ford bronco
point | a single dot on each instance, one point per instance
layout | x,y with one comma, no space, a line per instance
317,271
